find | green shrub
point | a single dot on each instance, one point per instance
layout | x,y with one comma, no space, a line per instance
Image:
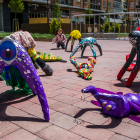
34,35
55,25
116,27
105,27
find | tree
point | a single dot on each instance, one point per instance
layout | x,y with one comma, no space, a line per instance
16,6
56,13
88,11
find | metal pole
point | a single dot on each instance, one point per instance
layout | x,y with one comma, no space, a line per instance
131,24
125,26
109,27
99,27
94,25
89,26
119,29
47,12
114,26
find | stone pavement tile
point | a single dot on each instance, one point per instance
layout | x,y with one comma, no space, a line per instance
65,108
77,87
66,99
70,92
36,100
88,105
90,98
94,118
50,93
120,137
92,134
123,128
134,122
31,123
56,133
66,85
7,127
84,139
56,82
21,134
22,104
62,120
82,96
50,86
36,110
10,113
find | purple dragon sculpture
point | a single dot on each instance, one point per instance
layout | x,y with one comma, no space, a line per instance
115,104
13,54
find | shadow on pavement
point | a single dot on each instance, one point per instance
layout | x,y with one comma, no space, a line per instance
135,85
70,70
8,98
114,121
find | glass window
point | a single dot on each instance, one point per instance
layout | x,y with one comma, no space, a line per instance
132,5
109,4
115,5
62,2
104,3
70,2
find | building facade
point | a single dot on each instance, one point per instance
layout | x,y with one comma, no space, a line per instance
35,11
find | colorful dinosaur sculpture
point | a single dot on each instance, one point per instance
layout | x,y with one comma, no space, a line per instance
84,69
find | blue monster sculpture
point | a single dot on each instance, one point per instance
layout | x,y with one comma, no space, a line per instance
17,69
90,41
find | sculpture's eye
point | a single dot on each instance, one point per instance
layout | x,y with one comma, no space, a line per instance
85,66
7,53
8,50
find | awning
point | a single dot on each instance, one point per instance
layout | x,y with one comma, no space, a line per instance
112,20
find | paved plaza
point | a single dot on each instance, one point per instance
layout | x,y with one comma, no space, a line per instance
72,116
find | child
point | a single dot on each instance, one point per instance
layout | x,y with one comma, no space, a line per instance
60,38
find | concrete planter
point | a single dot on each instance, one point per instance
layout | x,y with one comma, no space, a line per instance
100,35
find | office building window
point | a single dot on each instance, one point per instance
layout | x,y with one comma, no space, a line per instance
104,3
115,5
132,5
109,4
62,2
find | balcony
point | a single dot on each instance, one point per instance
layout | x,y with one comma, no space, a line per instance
94,6
137,6
41,1
66,2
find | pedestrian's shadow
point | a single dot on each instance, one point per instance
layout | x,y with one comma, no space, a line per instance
134,87
114,121
10,97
